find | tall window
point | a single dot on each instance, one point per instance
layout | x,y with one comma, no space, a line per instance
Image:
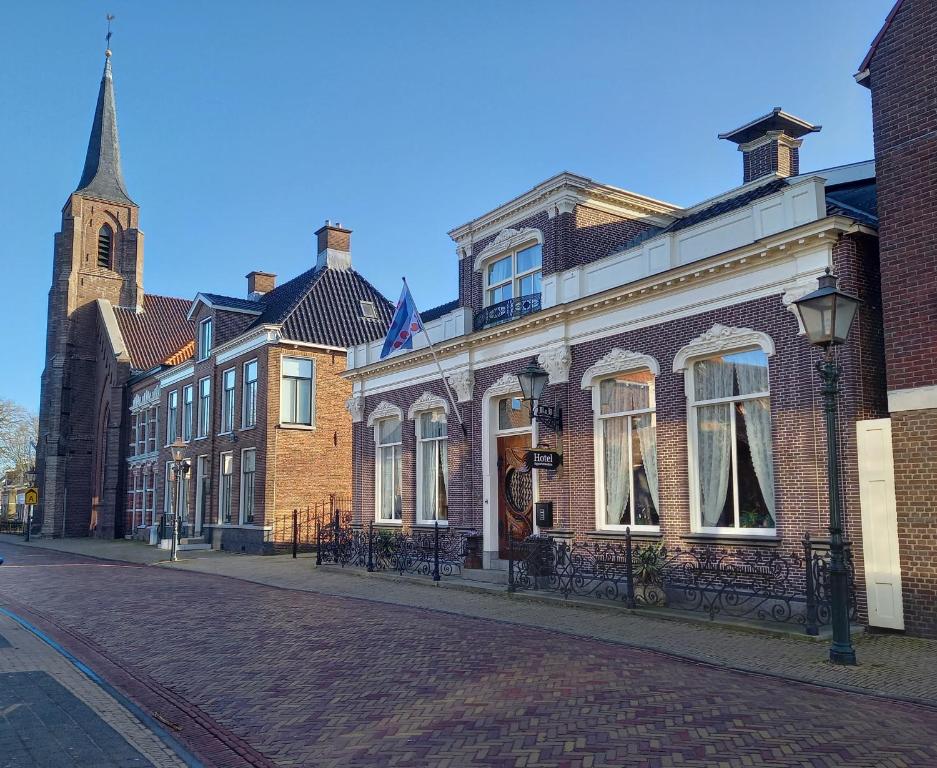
149,494
296,391
389,476
626,443
204,338
139,496
432,467
151,430
513,275
227,401
248,464
249,396
204,406
188,395
172,412
731,411
226,469
201,492
105,243
169,498
134,426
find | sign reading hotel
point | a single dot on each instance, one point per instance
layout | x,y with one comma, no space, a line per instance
549,460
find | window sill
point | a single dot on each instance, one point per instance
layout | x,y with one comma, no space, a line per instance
394,523
431,525
306,427
247,429
732,538
248,526
599,534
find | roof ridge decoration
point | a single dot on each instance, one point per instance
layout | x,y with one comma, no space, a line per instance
102,176
618,360
721,338
428,402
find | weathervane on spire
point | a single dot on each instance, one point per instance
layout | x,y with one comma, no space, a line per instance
110,18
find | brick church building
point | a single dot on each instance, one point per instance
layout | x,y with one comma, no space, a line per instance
250,384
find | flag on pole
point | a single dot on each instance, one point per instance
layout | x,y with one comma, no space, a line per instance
405,323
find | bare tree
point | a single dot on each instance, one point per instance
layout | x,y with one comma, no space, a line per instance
19,432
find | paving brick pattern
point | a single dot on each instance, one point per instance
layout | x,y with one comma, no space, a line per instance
312,679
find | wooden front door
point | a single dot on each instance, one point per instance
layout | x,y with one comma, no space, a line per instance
515,491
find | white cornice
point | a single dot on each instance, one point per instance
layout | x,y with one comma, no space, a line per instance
561,189
750,257
721,338
618,361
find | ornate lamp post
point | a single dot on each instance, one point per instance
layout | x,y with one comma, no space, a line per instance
180,468
533,380
827,315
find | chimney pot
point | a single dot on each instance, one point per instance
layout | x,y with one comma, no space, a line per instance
770,145
333,246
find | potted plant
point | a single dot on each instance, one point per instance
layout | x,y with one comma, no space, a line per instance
649,562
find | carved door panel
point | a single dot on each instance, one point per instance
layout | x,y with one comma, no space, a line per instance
515,491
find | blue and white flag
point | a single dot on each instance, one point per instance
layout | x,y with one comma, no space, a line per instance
405,324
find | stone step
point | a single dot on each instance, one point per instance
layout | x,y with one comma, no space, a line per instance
200,545
487,576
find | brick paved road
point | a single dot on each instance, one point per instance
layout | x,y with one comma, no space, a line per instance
309,679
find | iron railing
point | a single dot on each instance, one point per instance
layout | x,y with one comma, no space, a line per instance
503,311
295,531
12,526
755,583
437,553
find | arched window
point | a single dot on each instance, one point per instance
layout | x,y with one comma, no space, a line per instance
105,238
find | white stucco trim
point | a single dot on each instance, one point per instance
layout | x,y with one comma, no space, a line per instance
914,399
508,240
428,402
618,361
385,410
721,338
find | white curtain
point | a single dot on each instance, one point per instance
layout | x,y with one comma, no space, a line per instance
617,476
758,421
647,436
442,480
428,478
713,379
388,475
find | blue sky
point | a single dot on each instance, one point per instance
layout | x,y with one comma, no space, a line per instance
244,124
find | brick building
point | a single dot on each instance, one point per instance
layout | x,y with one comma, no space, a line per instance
252,385
901,71
690,402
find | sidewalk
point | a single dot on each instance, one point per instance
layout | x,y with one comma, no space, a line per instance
889,665
53,715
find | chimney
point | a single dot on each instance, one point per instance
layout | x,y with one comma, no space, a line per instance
334,246
259,283
770,144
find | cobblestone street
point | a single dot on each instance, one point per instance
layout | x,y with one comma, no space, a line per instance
287,677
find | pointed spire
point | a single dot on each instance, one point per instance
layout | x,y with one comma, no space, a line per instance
102,176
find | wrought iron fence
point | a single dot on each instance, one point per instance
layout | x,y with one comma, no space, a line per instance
509,309
748,583
437,553
295,531
12,526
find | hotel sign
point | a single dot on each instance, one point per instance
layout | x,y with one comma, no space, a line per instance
549,460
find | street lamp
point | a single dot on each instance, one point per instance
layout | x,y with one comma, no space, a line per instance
827,315
533,380
180,468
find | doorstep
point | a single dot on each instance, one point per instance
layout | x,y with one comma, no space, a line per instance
467,583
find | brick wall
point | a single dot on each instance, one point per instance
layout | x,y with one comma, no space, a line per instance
904,119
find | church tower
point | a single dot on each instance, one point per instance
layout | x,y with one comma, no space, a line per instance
98,254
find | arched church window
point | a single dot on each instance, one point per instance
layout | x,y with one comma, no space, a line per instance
105,238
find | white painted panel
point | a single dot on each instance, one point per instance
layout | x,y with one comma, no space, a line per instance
659,255
723,234
804,202
772,217
879,523
608,274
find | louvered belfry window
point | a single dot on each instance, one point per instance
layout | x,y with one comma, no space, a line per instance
105,238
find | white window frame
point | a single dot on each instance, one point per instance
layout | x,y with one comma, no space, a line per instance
384,412
719,340
246,400
167,488
242,495
515,277
188,422
427,403
221,477
312,393
228,409
172,413
201,474
205,339
207,422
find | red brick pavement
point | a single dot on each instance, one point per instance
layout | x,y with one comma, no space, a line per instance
314,680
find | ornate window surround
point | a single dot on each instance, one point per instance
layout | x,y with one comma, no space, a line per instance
428,402
716,340
617,360
383,412
507,240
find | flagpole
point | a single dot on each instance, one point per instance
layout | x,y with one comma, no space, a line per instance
442,374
